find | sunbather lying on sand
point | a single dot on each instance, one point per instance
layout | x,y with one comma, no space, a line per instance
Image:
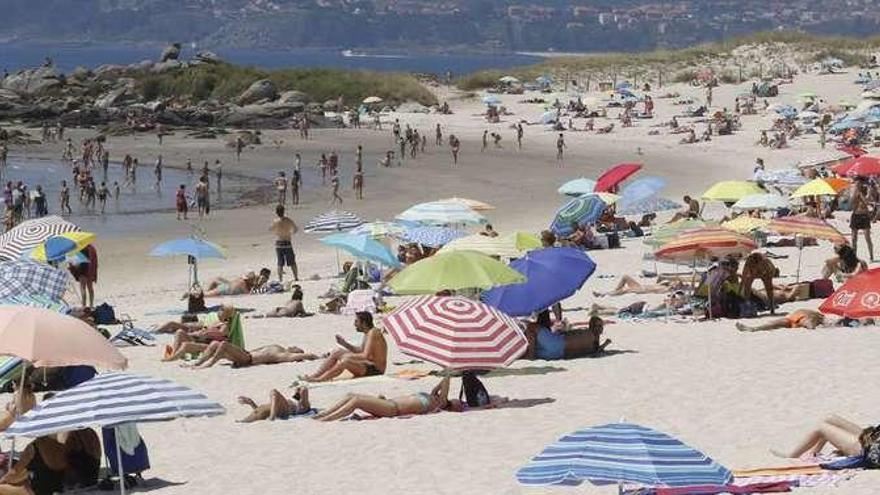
381,407
224,315
677,303
544,343
801,318
279,407
242,285
293,309
215,351
629,285
844,435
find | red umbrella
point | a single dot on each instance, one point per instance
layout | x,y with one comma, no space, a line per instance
863,166
859,297
455,332
855,151
615,175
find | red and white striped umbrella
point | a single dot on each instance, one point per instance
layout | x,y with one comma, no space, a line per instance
456,333
704,243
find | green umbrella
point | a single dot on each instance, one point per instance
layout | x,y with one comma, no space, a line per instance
454,271
667,232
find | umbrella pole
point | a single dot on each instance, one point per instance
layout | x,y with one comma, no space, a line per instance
20,388
119,468
797,278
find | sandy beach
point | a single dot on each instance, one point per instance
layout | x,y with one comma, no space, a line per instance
730,394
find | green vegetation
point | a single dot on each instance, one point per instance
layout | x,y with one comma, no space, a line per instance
225,81
682,65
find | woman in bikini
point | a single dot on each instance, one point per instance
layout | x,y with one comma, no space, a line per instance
279,407
842,434
198,333
629,285
242,285
270,354
845,264
420,403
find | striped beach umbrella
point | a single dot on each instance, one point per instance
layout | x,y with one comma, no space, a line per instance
806,227
585,210
456,333
577,187
705,243
32,279
432,236
363,247
669,231
651,204
622,453
29,234
333,221
379,229
442,213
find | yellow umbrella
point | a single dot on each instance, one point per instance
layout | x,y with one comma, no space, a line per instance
730,191
525,241
58,247
470,203
816,187
745,224
510,246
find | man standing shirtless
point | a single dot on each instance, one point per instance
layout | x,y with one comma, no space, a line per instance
284,228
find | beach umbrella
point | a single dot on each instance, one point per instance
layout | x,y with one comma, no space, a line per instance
821,158
784,177
585,210
641,189
194,249
705,243
669,231
652,204
470,203
549,117
620,453
456,333
29,234
112,400
817,187
806,226
332,221
440,213
59,247
786,111
379,229
859,297
730,191
615,175
453,271
508,80
863,166
433,237
363,247
577,187
744,224
552,275
503,247
28,278
525,241
491,100
764,201
372,99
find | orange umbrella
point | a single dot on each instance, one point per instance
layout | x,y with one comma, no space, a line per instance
837,183
705,243
47,338
807,227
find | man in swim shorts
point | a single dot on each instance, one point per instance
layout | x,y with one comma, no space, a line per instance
284,228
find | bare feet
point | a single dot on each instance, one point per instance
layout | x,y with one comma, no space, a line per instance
743,328
247,401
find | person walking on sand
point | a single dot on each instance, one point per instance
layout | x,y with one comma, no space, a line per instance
202,196
438,135
65,198
284,228
334,188
560,148
860,221
157,172
281,188
485,140
358,184
294,186
359,158
180,202
454,145
219,172
519,134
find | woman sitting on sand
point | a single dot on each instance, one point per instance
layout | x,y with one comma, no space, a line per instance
215,351
381,407
279,407
242,285
224,315
845,264
547,344
293,309
629,285
847,437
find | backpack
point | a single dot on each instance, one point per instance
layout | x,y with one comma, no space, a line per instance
104,314
195,300
473,392
870,441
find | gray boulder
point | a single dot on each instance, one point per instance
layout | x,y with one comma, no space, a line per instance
269,115
143,65
80,74
110,71
33,81
293,96
116,97
171,52
331,106
208,57
7,95
262,90
168,65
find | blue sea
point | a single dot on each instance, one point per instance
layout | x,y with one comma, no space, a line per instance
69,56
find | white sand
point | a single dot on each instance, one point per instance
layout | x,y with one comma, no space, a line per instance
732,395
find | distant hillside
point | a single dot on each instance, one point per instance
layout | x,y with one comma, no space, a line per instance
562,25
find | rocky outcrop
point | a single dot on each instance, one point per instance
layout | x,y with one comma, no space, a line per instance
34,81
262,90
171,52
293,96
207,57
266,115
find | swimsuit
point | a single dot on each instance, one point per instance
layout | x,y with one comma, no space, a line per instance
372,370
284,253
425,400
549,346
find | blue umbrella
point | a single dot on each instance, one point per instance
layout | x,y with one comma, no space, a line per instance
622,453
641,188
491,100
577,187
363,246
432,236
189,246
647,205
585,210
786,111
552,274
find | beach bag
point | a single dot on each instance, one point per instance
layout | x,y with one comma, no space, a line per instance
473,392
104,315
195,301
748,309
821,288
870,441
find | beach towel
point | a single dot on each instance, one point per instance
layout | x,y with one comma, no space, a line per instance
305,414
715,489
775,471
360,300
823,478
853,462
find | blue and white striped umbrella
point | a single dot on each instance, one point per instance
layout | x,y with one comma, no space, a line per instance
622,453
113,399
585,210
441,213
432,236
333,221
